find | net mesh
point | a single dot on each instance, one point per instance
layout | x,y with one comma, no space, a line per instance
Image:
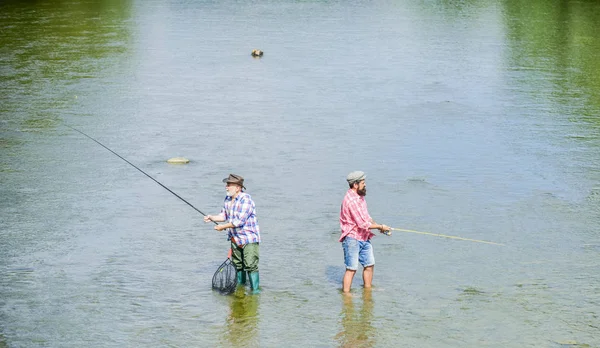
225,278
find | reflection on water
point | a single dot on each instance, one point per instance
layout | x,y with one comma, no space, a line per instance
241,329
356,323
47,48
492,106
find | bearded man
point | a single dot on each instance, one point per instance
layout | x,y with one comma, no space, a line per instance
239,213
356,225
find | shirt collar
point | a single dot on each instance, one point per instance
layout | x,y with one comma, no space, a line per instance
354,194
228,198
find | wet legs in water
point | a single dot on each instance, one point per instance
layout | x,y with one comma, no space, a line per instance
349,275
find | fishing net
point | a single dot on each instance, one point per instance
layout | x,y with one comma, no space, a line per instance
225,279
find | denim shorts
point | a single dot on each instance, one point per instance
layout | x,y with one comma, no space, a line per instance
356,251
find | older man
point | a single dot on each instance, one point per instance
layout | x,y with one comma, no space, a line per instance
356,224
242,229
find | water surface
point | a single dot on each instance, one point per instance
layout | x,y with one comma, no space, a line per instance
473,119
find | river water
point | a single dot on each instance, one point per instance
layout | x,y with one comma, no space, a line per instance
477,119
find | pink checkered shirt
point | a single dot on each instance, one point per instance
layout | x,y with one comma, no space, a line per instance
354,217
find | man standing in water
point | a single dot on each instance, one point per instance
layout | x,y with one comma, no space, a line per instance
356,224
242,229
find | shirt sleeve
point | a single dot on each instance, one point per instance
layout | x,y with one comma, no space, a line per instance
360,215
223,210
242,212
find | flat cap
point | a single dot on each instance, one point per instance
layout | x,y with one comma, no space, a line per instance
355,176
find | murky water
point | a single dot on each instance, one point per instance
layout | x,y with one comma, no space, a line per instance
475,119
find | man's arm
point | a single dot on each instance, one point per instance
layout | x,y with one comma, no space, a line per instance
222,227
215,218
380,227
360,215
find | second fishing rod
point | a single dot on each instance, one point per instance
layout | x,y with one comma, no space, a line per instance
143,172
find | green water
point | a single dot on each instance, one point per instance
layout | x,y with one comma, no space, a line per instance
477,119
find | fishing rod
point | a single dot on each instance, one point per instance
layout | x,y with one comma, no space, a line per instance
143,172
445,236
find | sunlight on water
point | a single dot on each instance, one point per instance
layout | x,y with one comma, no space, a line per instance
471,119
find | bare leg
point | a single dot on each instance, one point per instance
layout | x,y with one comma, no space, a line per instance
368,276
347,282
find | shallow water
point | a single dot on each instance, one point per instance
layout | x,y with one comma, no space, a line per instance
471,119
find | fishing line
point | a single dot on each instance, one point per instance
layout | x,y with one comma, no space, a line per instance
143,172
443,235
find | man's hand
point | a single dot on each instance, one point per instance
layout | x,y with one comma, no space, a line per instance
208,218
221,227
386,230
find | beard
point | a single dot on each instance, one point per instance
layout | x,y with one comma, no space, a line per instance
362,192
